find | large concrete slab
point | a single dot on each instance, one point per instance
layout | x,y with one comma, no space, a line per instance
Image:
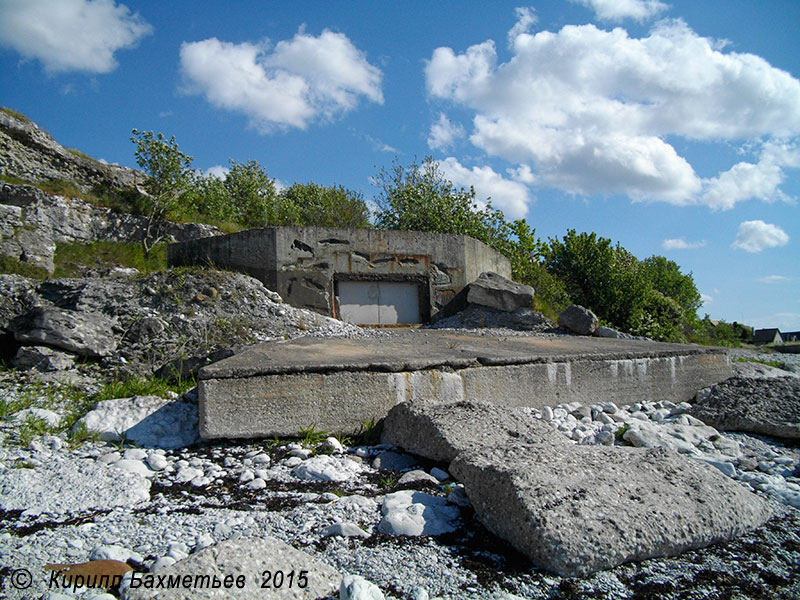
337,384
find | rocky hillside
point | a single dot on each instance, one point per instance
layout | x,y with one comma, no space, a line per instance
27,152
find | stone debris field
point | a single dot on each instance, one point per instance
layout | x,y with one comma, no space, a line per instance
644,500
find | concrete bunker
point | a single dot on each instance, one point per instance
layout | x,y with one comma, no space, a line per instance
364,276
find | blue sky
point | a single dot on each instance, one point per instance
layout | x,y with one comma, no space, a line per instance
672,128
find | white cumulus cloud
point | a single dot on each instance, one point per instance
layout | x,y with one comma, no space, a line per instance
444,133
773,279
681,244
755,236
291,85
617,10
591,111
759,180
70,35
512,197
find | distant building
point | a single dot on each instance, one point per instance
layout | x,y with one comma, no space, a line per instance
790,336
767,336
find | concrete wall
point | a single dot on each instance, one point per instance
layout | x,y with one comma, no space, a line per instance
282,404
303,264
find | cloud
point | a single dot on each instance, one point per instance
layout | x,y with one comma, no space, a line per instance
755,236
759,180
217,171
706,299
444,133
70,35
526,18
785,321
591,111
773,279
511,197
617,10
300,81
681,244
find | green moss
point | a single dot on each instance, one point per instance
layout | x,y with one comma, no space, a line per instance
68,257
13,266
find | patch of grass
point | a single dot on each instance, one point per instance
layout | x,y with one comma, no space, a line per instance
14,113
35,427
770,363
107,254
76,152
15,180
80,434
140,386
12,266
370,433
61,187
311,437
388,482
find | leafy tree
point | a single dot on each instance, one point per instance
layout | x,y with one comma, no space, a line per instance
170,175
666,277
316,205
253,199
421,198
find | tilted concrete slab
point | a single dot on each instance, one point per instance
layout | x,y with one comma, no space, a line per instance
336,385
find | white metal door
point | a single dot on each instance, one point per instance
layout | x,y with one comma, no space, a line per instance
378,302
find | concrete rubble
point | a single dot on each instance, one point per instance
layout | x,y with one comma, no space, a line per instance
572,509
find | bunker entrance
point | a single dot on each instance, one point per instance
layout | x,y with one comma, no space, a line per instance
381,300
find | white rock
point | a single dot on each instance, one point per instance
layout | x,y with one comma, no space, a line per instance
246,475
157,462
415,513
256,484
416,475
293,461
148,421
726,467
134,466
48,416
162,563
111,457
134,454
261,459
327,468
355,587
186,474
547,413
345,529
332,445
111,552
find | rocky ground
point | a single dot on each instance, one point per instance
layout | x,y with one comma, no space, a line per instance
347,506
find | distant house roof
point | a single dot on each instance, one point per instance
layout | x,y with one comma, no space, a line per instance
791,336
767,336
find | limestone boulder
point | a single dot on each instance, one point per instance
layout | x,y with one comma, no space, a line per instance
753,405
249,558
578,319
83,333
440,431
42,359
147,421
575,510
496,291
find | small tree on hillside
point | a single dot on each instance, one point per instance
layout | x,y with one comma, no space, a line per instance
170,175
